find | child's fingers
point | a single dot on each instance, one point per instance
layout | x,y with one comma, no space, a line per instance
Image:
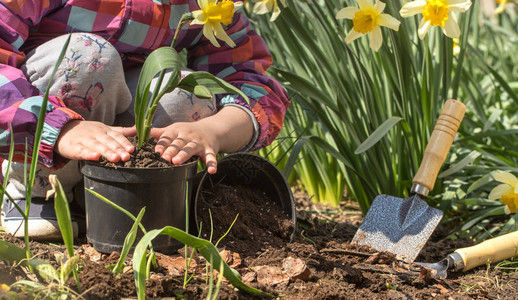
123,145
126,131
211,161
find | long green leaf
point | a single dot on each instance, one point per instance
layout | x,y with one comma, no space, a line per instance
378,134
128,242
157,62
460,165
63,214
204,247
14,254
208,81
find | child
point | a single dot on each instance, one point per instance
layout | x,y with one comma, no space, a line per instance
92,92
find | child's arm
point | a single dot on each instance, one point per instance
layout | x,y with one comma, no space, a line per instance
237,125
244,67
20,102
229,130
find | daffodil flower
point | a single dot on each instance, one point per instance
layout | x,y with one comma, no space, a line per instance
507,191
211,15
368,18
436,13
266,6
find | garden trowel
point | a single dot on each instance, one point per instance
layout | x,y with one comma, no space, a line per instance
403,225
464,259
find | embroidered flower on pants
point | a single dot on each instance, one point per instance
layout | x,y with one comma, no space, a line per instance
67,90
95,62
71,65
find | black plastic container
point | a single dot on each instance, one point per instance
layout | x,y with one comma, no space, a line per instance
163,191
253,171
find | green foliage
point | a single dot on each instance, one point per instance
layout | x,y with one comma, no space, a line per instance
204,247
489,131
376,109
128,242
160,61
65,226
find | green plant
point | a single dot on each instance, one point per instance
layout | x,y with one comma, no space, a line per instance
488,132
35,150
51,283
130,237
202,84
67,232
204,247
352,91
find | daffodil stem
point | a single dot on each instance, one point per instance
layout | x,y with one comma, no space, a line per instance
186,19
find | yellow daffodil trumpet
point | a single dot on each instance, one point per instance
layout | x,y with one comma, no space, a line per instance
367,19
436,13
507,191
212,15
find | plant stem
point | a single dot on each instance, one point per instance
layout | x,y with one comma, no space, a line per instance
186,19
150,112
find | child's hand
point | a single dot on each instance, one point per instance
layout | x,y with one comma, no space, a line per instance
229,130
89,140
182,140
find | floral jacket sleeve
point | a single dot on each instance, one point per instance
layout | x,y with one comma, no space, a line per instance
135,28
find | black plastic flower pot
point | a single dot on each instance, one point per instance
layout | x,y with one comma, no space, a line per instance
163,191
252,171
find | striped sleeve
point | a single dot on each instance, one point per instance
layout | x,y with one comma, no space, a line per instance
20,102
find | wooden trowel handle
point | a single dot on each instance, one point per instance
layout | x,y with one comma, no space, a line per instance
493,250
438,146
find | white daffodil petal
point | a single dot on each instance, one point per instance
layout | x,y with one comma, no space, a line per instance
424,26
498,191
275,14
284,3
507,210
208,33
222,35
347,12
237,5
458,5
506,177
364,4
260,8
376,39
352,35
389,21
379,6
412,8
451,28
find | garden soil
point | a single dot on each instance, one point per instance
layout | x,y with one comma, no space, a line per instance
316,262
319,263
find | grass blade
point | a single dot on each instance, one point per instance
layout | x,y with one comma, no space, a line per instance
128,242
378,134
204,247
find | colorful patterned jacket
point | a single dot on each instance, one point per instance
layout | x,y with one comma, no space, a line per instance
135,28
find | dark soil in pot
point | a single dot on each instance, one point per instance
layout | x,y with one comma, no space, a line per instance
260,222
142,157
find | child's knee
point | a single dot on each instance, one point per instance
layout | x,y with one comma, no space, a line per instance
91,73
